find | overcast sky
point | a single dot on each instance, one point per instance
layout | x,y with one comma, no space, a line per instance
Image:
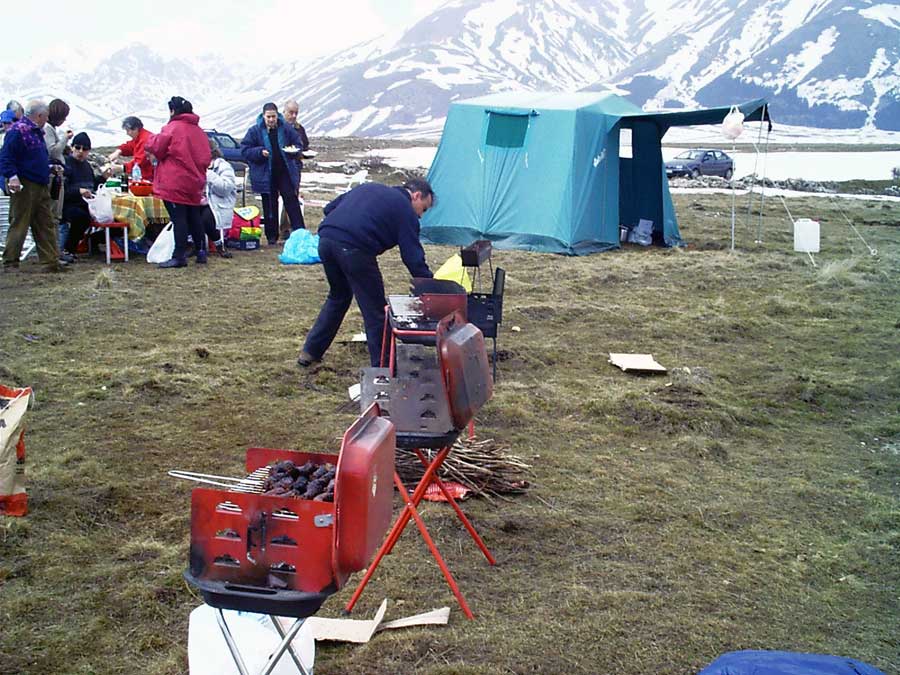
265,30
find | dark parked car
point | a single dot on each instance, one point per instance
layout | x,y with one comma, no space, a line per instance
231,149
703,162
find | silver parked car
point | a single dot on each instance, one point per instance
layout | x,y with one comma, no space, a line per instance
701,162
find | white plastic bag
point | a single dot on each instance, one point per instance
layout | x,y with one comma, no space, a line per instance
163,247
100,205
733,124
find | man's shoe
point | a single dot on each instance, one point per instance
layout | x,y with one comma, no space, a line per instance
222,251
305,360
201,257
67,258
173,262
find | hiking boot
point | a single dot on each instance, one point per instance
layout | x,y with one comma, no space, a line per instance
222,251
305,360
173,262
201,257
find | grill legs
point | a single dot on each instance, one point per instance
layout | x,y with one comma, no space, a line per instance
284,645
410,511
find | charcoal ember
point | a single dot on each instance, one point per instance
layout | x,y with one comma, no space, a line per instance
314,488
308,468
323,470
324,497
302,482
284,466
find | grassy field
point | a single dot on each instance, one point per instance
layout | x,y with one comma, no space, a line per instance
746,499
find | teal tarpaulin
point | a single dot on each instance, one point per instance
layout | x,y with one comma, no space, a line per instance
543,172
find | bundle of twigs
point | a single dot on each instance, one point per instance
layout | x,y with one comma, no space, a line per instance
483,466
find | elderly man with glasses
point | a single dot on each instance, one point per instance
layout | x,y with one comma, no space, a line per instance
81,182
25,163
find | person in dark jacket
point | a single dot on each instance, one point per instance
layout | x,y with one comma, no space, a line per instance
274,172
25,163
80,182
291,110
359,226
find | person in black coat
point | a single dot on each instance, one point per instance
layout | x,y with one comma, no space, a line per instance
273,171
80,182
359,226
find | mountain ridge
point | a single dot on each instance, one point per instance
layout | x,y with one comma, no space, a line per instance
820,63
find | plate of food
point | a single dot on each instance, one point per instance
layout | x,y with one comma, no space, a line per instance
291,150
309,154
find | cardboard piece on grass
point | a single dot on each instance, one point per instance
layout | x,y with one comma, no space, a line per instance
354,391
361,631
641,363
356,337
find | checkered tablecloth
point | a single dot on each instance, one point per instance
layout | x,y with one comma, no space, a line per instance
139,212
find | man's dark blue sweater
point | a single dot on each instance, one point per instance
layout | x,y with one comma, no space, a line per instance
24,153
374,218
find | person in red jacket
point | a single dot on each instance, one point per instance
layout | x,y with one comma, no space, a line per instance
134,148
182,153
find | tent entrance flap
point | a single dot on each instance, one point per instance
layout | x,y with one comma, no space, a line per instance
641,180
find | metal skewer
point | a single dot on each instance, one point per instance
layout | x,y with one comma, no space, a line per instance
249,483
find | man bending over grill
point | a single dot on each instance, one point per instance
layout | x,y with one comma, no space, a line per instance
359,226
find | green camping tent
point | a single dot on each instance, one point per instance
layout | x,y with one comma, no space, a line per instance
542,171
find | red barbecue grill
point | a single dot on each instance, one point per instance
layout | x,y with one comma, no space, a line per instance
284,556
430,397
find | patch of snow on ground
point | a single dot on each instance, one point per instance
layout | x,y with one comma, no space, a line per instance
816,166
889,15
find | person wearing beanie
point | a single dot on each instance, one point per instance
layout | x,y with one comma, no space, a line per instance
182,151
273,171
81,182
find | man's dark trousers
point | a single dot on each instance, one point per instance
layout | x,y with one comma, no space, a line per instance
281,185
351,273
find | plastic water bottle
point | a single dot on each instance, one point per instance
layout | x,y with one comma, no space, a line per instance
135,173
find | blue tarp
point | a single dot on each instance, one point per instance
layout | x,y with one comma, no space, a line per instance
753,662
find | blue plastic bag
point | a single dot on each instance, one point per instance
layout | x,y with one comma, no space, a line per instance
759,662
301,248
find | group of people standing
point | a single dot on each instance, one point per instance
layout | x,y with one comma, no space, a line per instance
199,190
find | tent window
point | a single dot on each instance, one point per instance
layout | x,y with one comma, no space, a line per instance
506,131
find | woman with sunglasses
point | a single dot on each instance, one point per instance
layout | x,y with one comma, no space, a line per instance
80,182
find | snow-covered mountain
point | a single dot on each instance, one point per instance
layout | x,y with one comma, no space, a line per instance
134,81
821,63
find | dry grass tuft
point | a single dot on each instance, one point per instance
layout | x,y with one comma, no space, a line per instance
105,278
